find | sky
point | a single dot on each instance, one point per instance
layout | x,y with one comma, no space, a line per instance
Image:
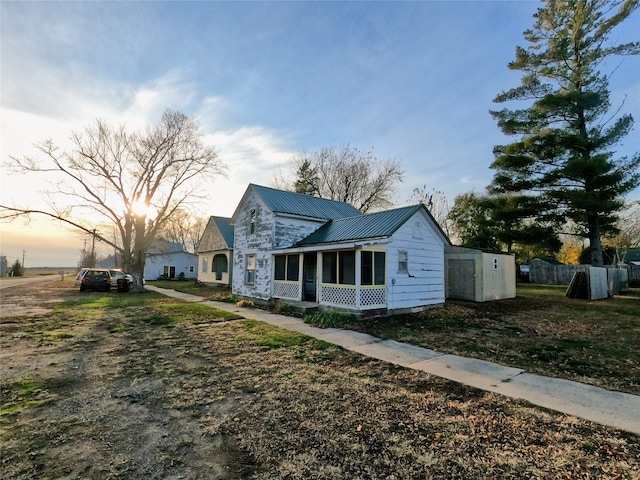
414,81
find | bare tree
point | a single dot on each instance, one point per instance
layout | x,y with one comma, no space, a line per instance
345,174
628,226
437,204
185,228
133,181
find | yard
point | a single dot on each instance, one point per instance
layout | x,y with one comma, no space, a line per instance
540,331
108,385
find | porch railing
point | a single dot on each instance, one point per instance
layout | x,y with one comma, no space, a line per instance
287,290
351,296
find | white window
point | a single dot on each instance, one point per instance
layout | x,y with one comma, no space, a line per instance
403,262
250,270
191,268
205,265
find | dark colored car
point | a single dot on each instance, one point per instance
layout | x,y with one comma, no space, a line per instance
96,279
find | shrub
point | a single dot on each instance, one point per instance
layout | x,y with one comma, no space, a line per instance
330,319
278,306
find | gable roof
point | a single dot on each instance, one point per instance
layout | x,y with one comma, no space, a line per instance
629,254
549,260
160,246
290,203
372,225
225,228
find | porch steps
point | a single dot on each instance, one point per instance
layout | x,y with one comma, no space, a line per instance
302,308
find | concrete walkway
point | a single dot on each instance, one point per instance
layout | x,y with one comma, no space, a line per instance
615,409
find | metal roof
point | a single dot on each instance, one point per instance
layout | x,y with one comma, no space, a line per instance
371,225
225,228
280,201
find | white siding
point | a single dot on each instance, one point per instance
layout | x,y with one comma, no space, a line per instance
272,232
289,231
423,284
259,243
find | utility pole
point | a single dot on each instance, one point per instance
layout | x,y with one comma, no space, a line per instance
93,249
23,252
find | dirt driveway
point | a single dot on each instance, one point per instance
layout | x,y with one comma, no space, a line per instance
115,386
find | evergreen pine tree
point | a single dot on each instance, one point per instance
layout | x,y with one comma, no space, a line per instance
564,157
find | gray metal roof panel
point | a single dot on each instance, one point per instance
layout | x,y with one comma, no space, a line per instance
225,228
371,225
292,203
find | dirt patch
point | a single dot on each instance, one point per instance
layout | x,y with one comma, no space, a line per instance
95,390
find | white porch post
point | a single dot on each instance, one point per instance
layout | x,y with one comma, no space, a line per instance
358,280
301,279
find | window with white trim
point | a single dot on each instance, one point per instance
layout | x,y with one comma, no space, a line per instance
403,261
250,269
205,264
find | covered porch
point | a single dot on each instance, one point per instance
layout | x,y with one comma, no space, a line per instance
352,279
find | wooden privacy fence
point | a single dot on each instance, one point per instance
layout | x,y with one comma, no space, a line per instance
562,274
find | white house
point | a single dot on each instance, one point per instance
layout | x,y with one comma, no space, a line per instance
169,260
301,248
215,252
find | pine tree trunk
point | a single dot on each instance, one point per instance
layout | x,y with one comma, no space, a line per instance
595,244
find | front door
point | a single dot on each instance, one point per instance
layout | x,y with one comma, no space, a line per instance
309,274
169,271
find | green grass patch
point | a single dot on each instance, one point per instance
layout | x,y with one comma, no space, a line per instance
19,395
197,313
273,337
331,319
215,293
106,301
117,327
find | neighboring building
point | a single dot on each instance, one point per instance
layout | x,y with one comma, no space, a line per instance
112,261
298,247
215,252
630,256
169,260
479,276
163,260
4,266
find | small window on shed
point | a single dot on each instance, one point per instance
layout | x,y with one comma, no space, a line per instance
403,262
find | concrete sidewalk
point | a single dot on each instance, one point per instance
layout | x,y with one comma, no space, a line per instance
615,409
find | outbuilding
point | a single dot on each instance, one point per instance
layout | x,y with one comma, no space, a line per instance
479,276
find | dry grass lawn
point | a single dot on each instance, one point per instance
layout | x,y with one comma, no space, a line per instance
111,385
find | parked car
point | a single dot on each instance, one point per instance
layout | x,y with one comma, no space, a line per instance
96,279
116,274
80,276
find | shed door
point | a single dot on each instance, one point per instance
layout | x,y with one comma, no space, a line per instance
462,275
